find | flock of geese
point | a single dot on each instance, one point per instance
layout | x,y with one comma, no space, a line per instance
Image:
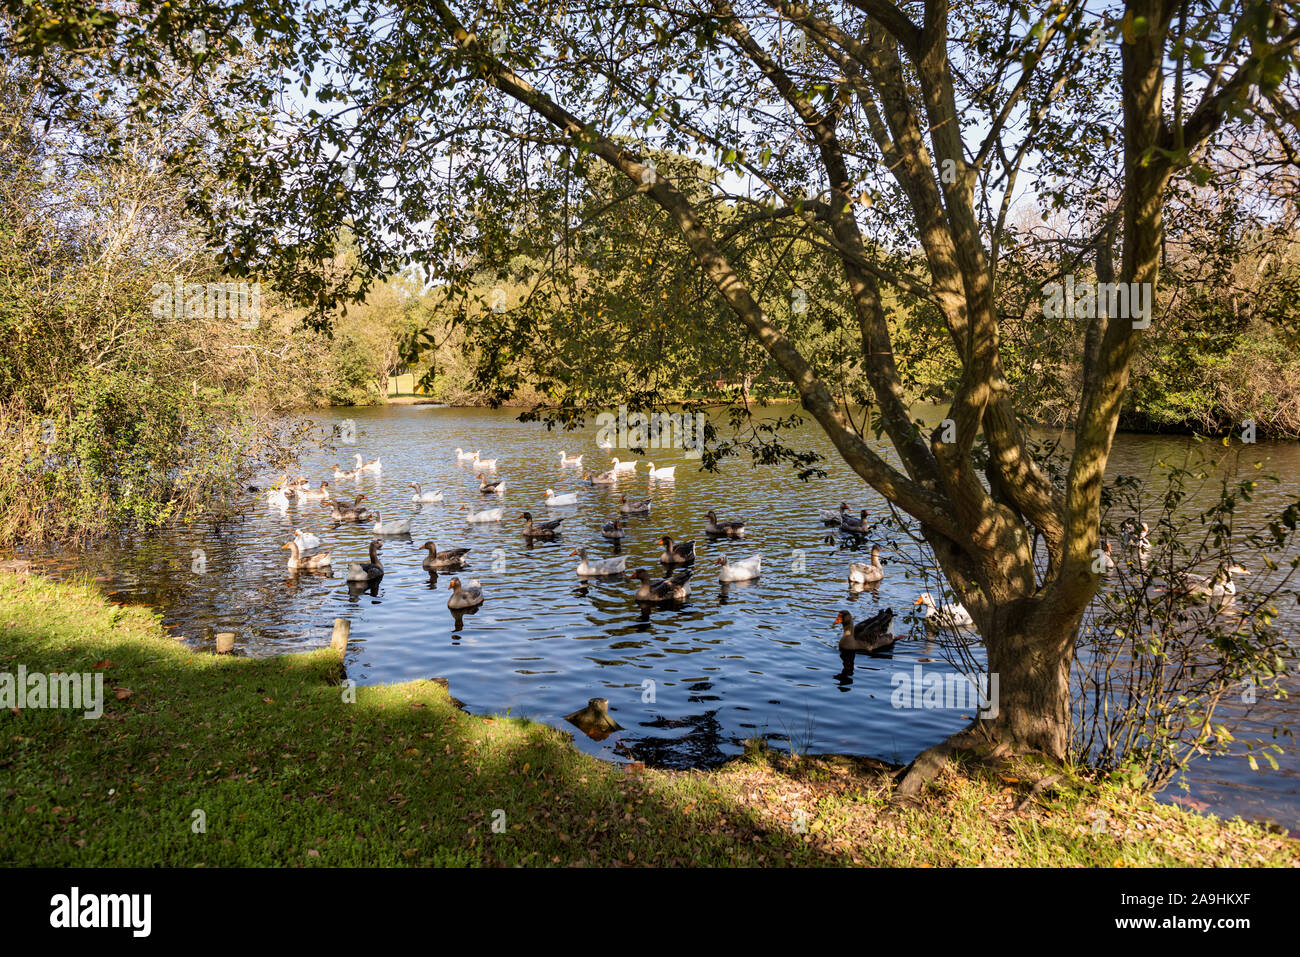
875,634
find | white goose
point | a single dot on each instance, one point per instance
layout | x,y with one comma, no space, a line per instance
486,463
1218,585
623,466
589,568
425,497
743,571
951,615
306,541
567,460
662,475
866,573
278,498
463,456
487,515
371,466
553,500
400,527
604,444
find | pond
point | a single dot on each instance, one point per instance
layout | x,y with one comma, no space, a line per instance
688,685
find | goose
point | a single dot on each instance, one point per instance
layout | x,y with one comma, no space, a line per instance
744,571
296,559
613,531
491,488
855,526
867,573
604,478
567,460
340,474
874,634
399,527
604,444
489,464
1105,561
712,526
487,515
298,486
664,474
678,554
447,558
1135,536
553,500
465,597
424,497
622,466
371,466
349,513
306,541
674,588
313,495
1218,585
367,571
833,516
951,615
640,507
539,529
587,568
278,498
463,456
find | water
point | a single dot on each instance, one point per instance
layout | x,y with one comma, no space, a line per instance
688,685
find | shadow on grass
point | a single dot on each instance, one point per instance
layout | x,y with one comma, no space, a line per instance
201,760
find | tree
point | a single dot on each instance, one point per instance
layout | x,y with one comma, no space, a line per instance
893,136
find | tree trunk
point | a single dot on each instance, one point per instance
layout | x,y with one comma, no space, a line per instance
1031,655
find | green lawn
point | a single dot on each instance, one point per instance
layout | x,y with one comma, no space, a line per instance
287,772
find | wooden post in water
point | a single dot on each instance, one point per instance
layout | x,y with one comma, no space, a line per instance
339,639
225,642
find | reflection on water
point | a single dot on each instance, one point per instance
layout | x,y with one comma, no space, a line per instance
688,683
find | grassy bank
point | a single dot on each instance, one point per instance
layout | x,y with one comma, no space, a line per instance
287,772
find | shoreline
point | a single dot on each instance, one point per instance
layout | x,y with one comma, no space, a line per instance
286,770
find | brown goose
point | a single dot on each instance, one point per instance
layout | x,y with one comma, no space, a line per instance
613,531
874,634
713,527
367,571
447,558
854,525
677,554
349,513
296,561
464,596
641,507
540,529
674,588
491,488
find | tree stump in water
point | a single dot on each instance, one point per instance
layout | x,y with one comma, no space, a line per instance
225,642
339,637
594,720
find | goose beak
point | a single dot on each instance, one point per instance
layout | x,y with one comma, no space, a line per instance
839,620
572,553
919,601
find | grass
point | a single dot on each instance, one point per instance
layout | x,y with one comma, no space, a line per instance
286,772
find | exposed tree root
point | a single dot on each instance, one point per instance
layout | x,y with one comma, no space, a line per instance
976,743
